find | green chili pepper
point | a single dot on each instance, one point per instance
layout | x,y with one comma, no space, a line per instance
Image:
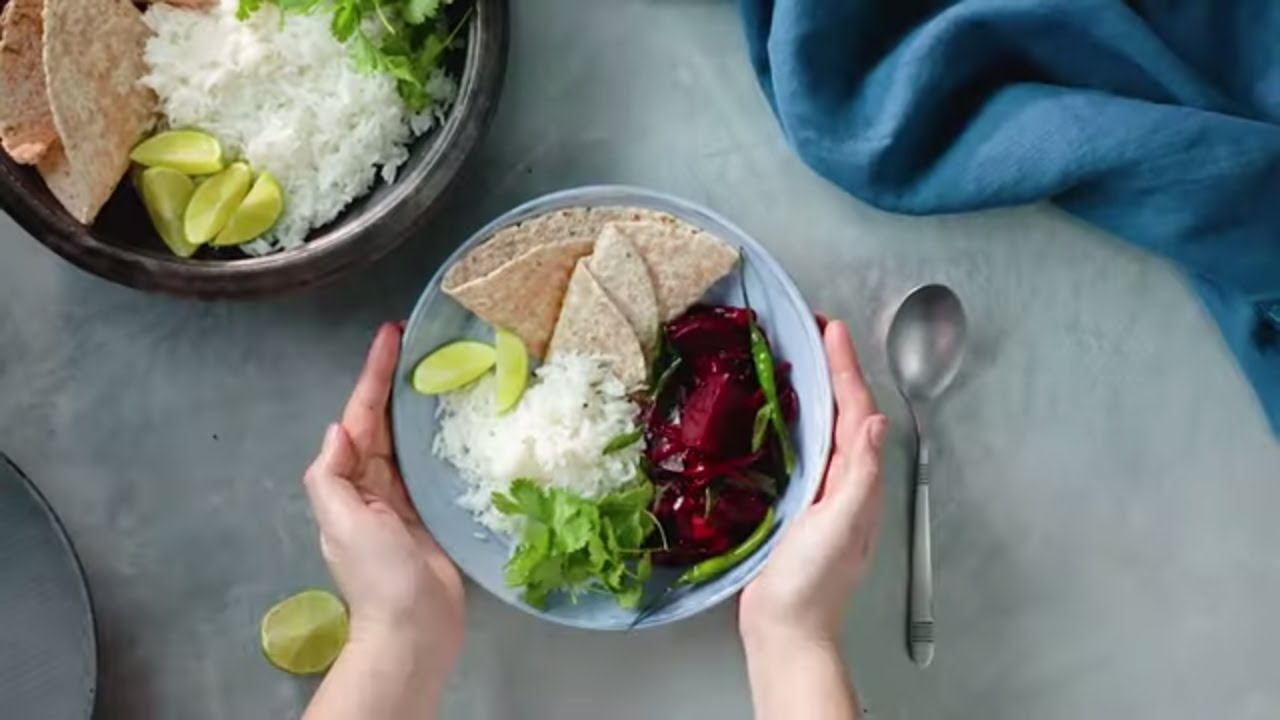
713,568
766,374
762,357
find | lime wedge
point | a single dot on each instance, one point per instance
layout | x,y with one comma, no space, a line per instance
187,151
165,193
453,366
214,202
304,634
259,211
513,369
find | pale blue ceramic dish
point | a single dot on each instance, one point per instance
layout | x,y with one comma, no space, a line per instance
434,485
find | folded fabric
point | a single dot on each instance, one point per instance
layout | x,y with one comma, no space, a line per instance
1157,120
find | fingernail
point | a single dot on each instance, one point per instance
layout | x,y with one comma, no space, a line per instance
879,427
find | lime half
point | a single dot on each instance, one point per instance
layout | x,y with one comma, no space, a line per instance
259,211
214,202
187,151
453,366
165,193
513,369
304,634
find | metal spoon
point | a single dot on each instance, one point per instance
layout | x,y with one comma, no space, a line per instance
925,345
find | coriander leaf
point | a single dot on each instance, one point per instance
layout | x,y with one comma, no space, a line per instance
574,545
399,67
622,442
536,596
609,536
297,6
433,48
533,550
629,598
632,530
504,504
598,553
644,569
365,54
573,526
382,18
531,498
247,8
414,95
628,501
615,576
345,23
417,12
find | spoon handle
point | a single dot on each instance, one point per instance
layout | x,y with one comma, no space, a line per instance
920,629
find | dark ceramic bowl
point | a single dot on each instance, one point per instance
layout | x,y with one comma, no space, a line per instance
121,245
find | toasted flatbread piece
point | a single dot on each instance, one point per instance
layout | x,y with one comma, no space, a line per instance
616,265
194,4
683,261
26,123
590,324
513,241
93,67
524,295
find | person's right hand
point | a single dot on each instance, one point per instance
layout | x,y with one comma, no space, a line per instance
802,592
397,581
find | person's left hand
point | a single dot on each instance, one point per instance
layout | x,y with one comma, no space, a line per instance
396,580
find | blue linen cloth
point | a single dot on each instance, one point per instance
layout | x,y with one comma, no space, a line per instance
1158,120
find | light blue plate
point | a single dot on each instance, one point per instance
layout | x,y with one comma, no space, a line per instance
434,485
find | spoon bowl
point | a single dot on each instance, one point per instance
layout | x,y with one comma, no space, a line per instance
926,342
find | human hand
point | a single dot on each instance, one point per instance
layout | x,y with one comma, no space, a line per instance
825,553
399,585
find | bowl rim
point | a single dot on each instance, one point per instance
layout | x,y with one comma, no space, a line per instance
60,535
623,195
331,253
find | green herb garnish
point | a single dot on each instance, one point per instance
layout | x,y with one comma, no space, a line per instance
577,545
761,426
406,39
621,442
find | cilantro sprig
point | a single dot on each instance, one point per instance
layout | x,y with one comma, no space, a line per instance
576,545
405,39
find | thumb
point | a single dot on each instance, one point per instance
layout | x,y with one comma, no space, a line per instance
858,478
334,499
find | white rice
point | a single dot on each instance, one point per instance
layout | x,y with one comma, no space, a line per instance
555,436
284,95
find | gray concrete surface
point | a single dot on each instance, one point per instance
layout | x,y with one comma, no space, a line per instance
1106,490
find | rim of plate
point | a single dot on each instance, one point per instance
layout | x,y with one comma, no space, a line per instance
693,213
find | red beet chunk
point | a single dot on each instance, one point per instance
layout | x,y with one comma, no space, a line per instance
717,416
705,330
697,531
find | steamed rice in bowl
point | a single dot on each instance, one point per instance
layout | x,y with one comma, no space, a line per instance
555,437
280,92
